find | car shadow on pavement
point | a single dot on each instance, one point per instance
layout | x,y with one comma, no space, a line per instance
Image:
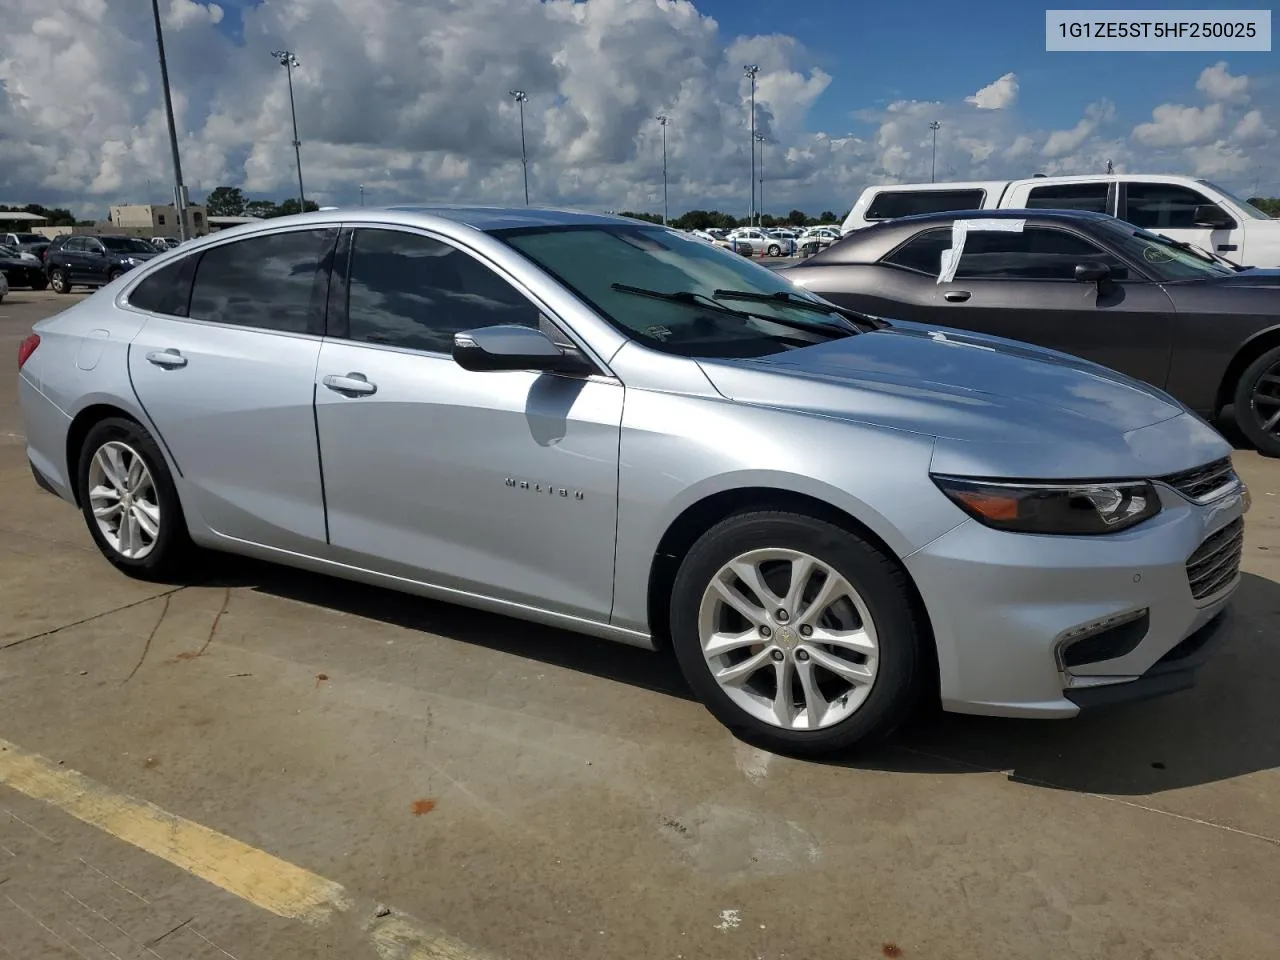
1226,726
601,658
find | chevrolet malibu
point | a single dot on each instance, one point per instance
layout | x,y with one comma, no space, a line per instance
613,428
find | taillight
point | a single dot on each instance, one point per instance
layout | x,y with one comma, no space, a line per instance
27,348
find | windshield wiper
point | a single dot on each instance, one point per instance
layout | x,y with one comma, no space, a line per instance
1200,252
792,300
702,300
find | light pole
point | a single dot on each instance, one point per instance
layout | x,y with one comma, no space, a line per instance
761,140
362,194
750,70
934,125
289,61
521,98
179,191
664,120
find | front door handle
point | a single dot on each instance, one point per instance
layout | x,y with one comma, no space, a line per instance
956,296
170,359
353,384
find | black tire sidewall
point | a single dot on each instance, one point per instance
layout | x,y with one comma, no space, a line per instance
883,588
172,547
1266,443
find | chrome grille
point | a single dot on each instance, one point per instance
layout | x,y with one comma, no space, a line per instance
1216,562
1200,482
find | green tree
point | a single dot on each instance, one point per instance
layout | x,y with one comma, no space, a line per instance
827,216
798,217
646,217
225,202
1268,205
290,206
266,209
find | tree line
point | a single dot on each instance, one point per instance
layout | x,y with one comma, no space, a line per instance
704,219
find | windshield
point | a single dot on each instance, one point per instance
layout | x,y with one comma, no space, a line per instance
127,244
1161,258
607,264
1245,206
29,238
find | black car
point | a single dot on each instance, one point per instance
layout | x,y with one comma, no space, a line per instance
83,261
1201,328
21,272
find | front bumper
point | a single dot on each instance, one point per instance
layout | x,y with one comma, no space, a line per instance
1001,604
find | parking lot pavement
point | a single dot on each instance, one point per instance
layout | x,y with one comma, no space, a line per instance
275,764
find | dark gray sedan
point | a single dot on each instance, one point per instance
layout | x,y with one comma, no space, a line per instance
1199,327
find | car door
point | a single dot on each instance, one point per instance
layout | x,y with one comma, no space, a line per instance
225,368
1170,208
72,256
502,483
1021,285
94,264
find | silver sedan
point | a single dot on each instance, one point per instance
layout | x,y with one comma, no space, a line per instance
623,431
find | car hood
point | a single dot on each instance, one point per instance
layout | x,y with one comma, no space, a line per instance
1253,277
1062,413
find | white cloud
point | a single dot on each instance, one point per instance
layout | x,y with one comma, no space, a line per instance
998,95
1174,124
411,101
1217,84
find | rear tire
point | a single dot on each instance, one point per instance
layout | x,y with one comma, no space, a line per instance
868,632
114,275
1252,416
775,250
129,502
60,280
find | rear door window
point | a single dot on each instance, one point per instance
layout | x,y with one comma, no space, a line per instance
1070,196
889,204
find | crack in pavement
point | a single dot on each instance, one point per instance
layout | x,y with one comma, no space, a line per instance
164,612
90,618
213,628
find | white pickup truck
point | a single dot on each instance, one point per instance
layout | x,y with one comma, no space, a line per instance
1182,208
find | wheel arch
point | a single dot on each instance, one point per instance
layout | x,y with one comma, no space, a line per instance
95,410
1249,351
700,516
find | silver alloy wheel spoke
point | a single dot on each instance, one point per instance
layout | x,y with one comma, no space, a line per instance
123,501
1261,396
801,657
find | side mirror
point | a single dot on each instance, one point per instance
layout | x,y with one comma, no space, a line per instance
1092,271
506,347
1213,216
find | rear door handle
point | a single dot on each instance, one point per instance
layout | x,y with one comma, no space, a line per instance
170,358
353,384
956,296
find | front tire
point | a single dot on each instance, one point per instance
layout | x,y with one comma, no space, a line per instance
129,502
775,250
1257,403
60,280
799,636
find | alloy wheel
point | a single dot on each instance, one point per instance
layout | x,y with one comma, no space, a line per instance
1264,404
788,639
123,498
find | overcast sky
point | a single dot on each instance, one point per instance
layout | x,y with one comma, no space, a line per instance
409,99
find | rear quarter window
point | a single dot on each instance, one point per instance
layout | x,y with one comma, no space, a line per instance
166,291
889,204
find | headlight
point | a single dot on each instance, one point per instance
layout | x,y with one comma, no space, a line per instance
131,261
1078,509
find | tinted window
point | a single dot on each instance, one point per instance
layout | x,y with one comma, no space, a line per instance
1036,253
127,245
922,252
265,282
1162,206
411,291
1070,196
904,203
74,245
168,290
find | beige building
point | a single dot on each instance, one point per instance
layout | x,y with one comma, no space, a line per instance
157,219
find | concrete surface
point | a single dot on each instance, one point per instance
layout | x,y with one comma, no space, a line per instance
535,794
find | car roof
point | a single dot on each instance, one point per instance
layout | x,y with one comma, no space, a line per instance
870,243
500,218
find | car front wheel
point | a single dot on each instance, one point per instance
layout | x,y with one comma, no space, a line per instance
59,280
797,635
1257,403
129,501
775,250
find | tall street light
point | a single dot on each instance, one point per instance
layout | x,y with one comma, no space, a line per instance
362,194
521,98
934,125
289,61
750,70
179,191
762,141
664,120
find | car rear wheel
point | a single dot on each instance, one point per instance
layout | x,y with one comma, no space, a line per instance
1257,403
797,635
775,250
129,501
59,280
114,275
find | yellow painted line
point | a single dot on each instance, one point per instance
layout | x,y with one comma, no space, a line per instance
253,875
